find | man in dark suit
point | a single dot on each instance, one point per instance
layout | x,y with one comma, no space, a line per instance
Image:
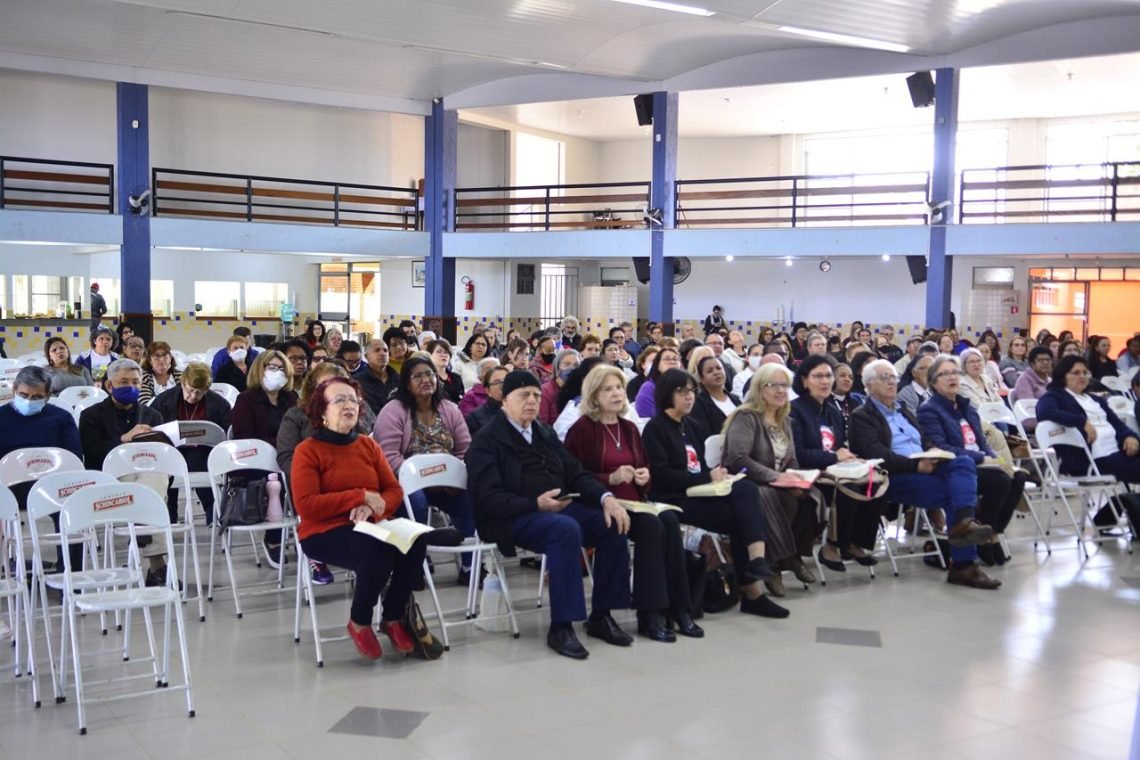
516,471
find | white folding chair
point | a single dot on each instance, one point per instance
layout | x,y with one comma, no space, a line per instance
226,391
1090,489
31,360
84,403
199,433
137,458
244,455
1115,383
1120,405
77,393
445,471
44,500
137,506
57,401
997,411
15,590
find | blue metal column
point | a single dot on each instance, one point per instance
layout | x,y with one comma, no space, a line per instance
941,267
663,196
440,140
134,178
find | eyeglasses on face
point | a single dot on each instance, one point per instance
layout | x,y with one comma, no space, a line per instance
887,377
777,386
819,376
341,400
418,376
948,373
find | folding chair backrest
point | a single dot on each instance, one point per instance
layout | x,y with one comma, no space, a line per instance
22,465
82,404
226,391
113,503
1129,419
77,393
201,433
1025,409
996,411
1051,434
1119,404
242,454
712,451
136,458
1114,383
51,491
9,509
57,401
432,471
6,364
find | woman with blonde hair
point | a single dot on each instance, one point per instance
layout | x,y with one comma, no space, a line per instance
758,440
609,446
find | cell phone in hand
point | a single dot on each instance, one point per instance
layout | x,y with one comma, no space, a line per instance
564,496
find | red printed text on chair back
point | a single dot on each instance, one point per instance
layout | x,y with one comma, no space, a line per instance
113,503
432,471
22,465
50,492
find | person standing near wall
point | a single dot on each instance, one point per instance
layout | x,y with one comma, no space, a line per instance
98,307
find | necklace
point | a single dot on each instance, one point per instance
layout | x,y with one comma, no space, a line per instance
615,438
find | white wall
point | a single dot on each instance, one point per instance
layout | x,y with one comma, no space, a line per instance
699,158
44,116
483,156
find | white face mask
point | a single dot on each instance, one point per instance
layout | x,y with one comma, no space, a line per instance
238,355
274,380
754,362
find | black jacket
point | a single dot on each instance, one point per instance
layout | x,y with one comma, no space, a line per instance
869,437
708,415
482,415
664,441
808,416
376,391
217,408
494,478
229,373
101,428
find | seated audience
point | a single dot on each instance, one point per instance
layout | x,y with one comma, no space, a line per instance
340,478
451,383
569,337
542,365
1069,348
333,341
516,355
676,452
160,372
493,381
714,403
977,387
565,362
122,333
1015,363
516,472
63,373
378,381
591,346
1033,382
610,447
466,362
758,441
300,356
1101,364
882,429
319,354
820,436
950,422
751,363
351,354
914,393
912,345
736,349
642,366
845,397
222,355
569,402
477,396
134,348
397,343
314,334
420,420
234,370
716,343
645,403
96,359
1130,357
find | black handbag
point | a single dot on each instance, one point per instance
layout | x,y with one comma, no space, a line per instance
244,502
698,570
722,591
426,646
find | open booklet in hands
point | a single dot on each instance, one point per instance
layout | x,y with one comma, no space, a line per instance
649,507
714,487
800,479
932,454
400,532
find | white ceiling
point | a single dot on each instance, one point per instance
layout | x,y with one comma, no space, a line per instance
399,54
1053,89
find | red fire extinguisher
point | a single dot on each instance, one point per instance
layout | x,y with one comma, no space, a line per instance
468,293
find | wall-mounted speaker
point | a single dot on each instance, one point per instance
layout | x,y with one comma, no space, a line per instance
921,86
641,269
917,266
643,104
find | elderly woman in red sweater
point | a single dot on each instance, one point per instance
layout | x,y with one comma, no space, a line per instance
341,478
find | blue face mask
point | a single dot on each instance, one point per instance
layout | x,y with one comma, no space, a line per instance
564,375
126,395
26,406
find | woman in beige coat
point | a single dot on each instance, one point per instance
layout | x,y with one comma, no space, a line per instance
758,442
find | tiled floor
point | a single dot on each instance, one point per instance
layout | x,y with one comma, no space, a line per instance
1047,667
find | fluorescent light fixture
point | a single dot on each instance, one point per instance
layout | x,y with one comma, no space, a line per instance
788,261
844,39
692,10
886,257
729,257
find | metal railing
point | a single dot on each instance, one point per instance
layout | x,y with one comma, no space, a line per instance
213,195
38,183
804,200
1107,192
613,205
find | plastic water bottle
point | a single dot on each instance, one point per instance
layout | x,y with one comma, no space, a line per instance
274,511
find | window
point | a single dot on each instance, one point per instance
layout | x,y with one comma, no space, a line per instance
217,299
993,277
20,304
559,293
162,298
4,308
524,283
46,293
264,299
109,289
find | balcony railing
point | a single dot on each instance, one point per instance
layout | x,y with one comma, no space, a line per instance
36,183
610,205
1106,192
804,201
212,195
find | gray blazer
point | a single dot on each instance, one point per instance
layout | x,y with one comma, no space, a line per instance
747,447
910,399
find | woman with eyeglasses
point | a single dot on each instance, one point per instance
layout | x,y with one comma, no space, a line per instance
1015,362
820,435
452,384
759,442
420,420
645,404
160,372
951,422
1113,444
332,340
676,451
976,385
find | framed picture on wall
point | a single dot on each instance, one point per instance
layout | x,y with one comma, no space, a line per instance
419,274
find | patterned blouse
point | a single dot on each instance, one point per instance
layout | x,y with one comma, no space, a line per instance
433,438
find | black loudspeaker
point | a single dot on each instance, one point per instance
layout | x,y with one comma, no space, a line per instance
641,269
643,104
917,266
921,86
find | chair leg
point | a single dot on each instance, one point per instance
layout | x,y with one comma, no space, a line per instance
541,580
78,666
497,566
227,544
439,608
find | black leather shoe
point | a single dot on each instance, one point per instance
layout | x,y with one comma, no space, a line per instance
763,606
866,560
757,569
564,642
830,564
651,625
606,628
686,626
